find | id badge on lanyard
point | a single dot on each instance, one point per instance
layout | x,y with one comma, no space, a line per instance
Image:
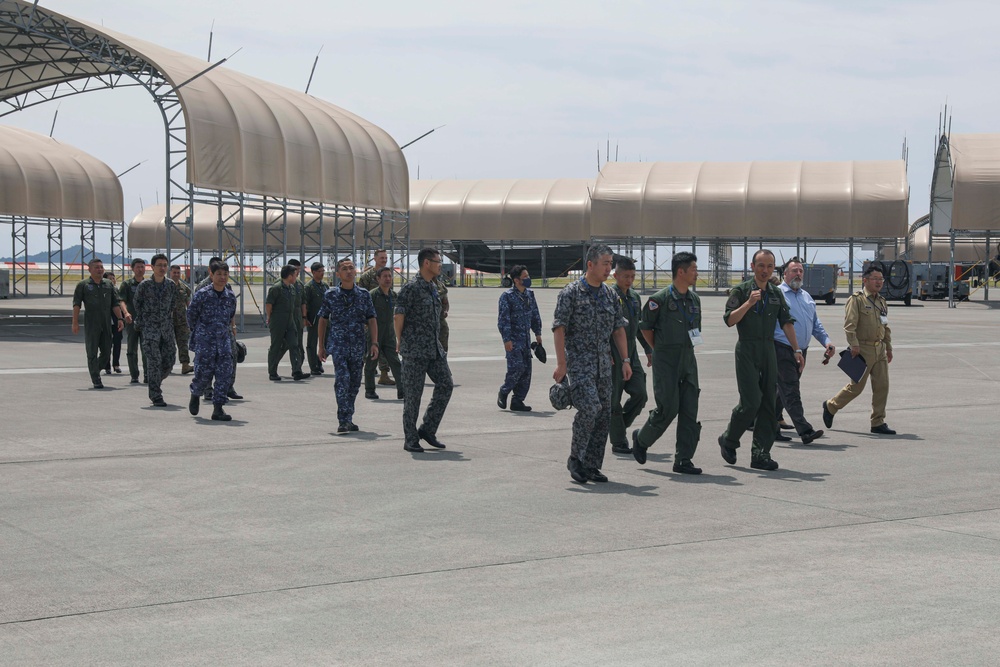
695,335
884,318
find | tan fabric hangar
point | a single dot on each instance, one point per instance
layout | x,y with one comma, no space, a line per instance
243,134
44,178
501,209
769,200
966,188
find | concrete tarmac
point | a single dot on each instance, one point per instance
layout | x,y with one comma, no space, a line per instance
131,535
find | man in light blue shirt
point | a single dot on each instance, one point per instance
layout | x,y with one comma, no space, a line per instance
807,325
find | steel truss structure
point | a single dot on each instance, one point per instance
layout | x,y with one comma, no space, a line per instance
56,230
77,60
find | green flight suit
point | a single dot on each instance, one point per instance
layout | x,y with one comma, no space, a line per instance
284,300
98,301
670,316
132,335
622,416
312,297
297,317
385,306
756,366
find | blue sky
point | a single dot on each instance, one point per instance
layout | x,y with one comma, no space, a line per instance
533,89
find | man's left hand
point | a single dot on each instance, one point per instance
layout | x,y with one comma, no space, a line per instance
800,361
627,372
374,352
888,356
649,359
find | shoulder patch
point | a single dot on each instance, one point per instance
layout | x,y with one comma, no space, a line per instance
652,304
734,302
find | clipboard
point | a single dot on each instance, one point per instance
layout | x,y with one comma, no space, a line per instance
855,367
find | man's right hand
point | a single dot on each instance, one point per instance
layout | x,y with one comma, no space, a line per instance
128,318
559,373
755,296
855,351
508,345
76,327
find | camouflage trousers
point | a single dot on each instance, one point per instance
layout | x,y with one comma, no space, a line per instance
181,335
591,397
215,361
445,333
160,352
347,369
518,378
207,389
413,371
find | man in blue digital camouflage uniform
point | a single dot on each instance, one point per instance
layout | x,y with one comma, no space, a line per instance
587,318
154,316
342,318
210,319
517,318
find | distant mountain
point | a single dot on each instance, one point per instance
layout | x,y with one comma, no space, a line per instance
68,256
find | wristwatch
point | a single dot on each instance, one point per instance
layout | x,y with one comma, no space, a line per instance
626,360
798,351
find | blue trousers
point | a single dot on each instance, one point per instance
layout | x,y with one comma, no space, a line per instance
518,378
215,361
348,371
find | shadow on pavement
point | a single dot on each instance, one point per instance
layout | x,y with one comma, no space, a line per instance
431,454
898,436
786,475
614,487
721,480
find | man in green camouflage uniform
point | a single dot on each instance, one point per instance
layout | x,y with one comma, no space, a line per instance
154,314
181,331
754,306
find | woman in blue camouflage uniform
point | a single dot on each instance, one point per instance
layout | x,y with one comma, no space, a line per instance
210,319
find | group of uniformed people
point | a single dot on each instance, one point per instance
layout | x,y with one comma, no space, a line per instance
596,328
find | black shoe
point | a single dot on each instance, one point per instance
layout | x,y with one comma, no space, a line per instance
159,402
883,430
763,464
207,395
812,435
827,416
233,395
595,475
429,439
351,426
145,380
413,448
576,471
107,371
194,404
343,428
638,451
501,400
400,396
219,415
301,376
274,378
781,437
519,406
98,385
316,371
372,395
118,370
621,449
686,468
134,381
728,453
785,427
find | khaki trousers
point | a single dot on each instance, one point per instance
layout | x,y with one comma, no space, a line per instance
878,369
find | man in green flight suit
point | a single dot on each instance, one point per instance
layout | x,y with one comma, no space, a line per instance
133,337
312,299
671,324
622,416
100,301
279,306
754,306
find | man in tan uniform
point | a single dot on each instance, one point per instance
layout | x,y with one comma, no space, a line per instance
866,323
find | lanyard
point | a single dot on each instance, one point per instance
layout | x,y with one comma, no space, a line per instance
631,306
882,311
680,304
593,294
